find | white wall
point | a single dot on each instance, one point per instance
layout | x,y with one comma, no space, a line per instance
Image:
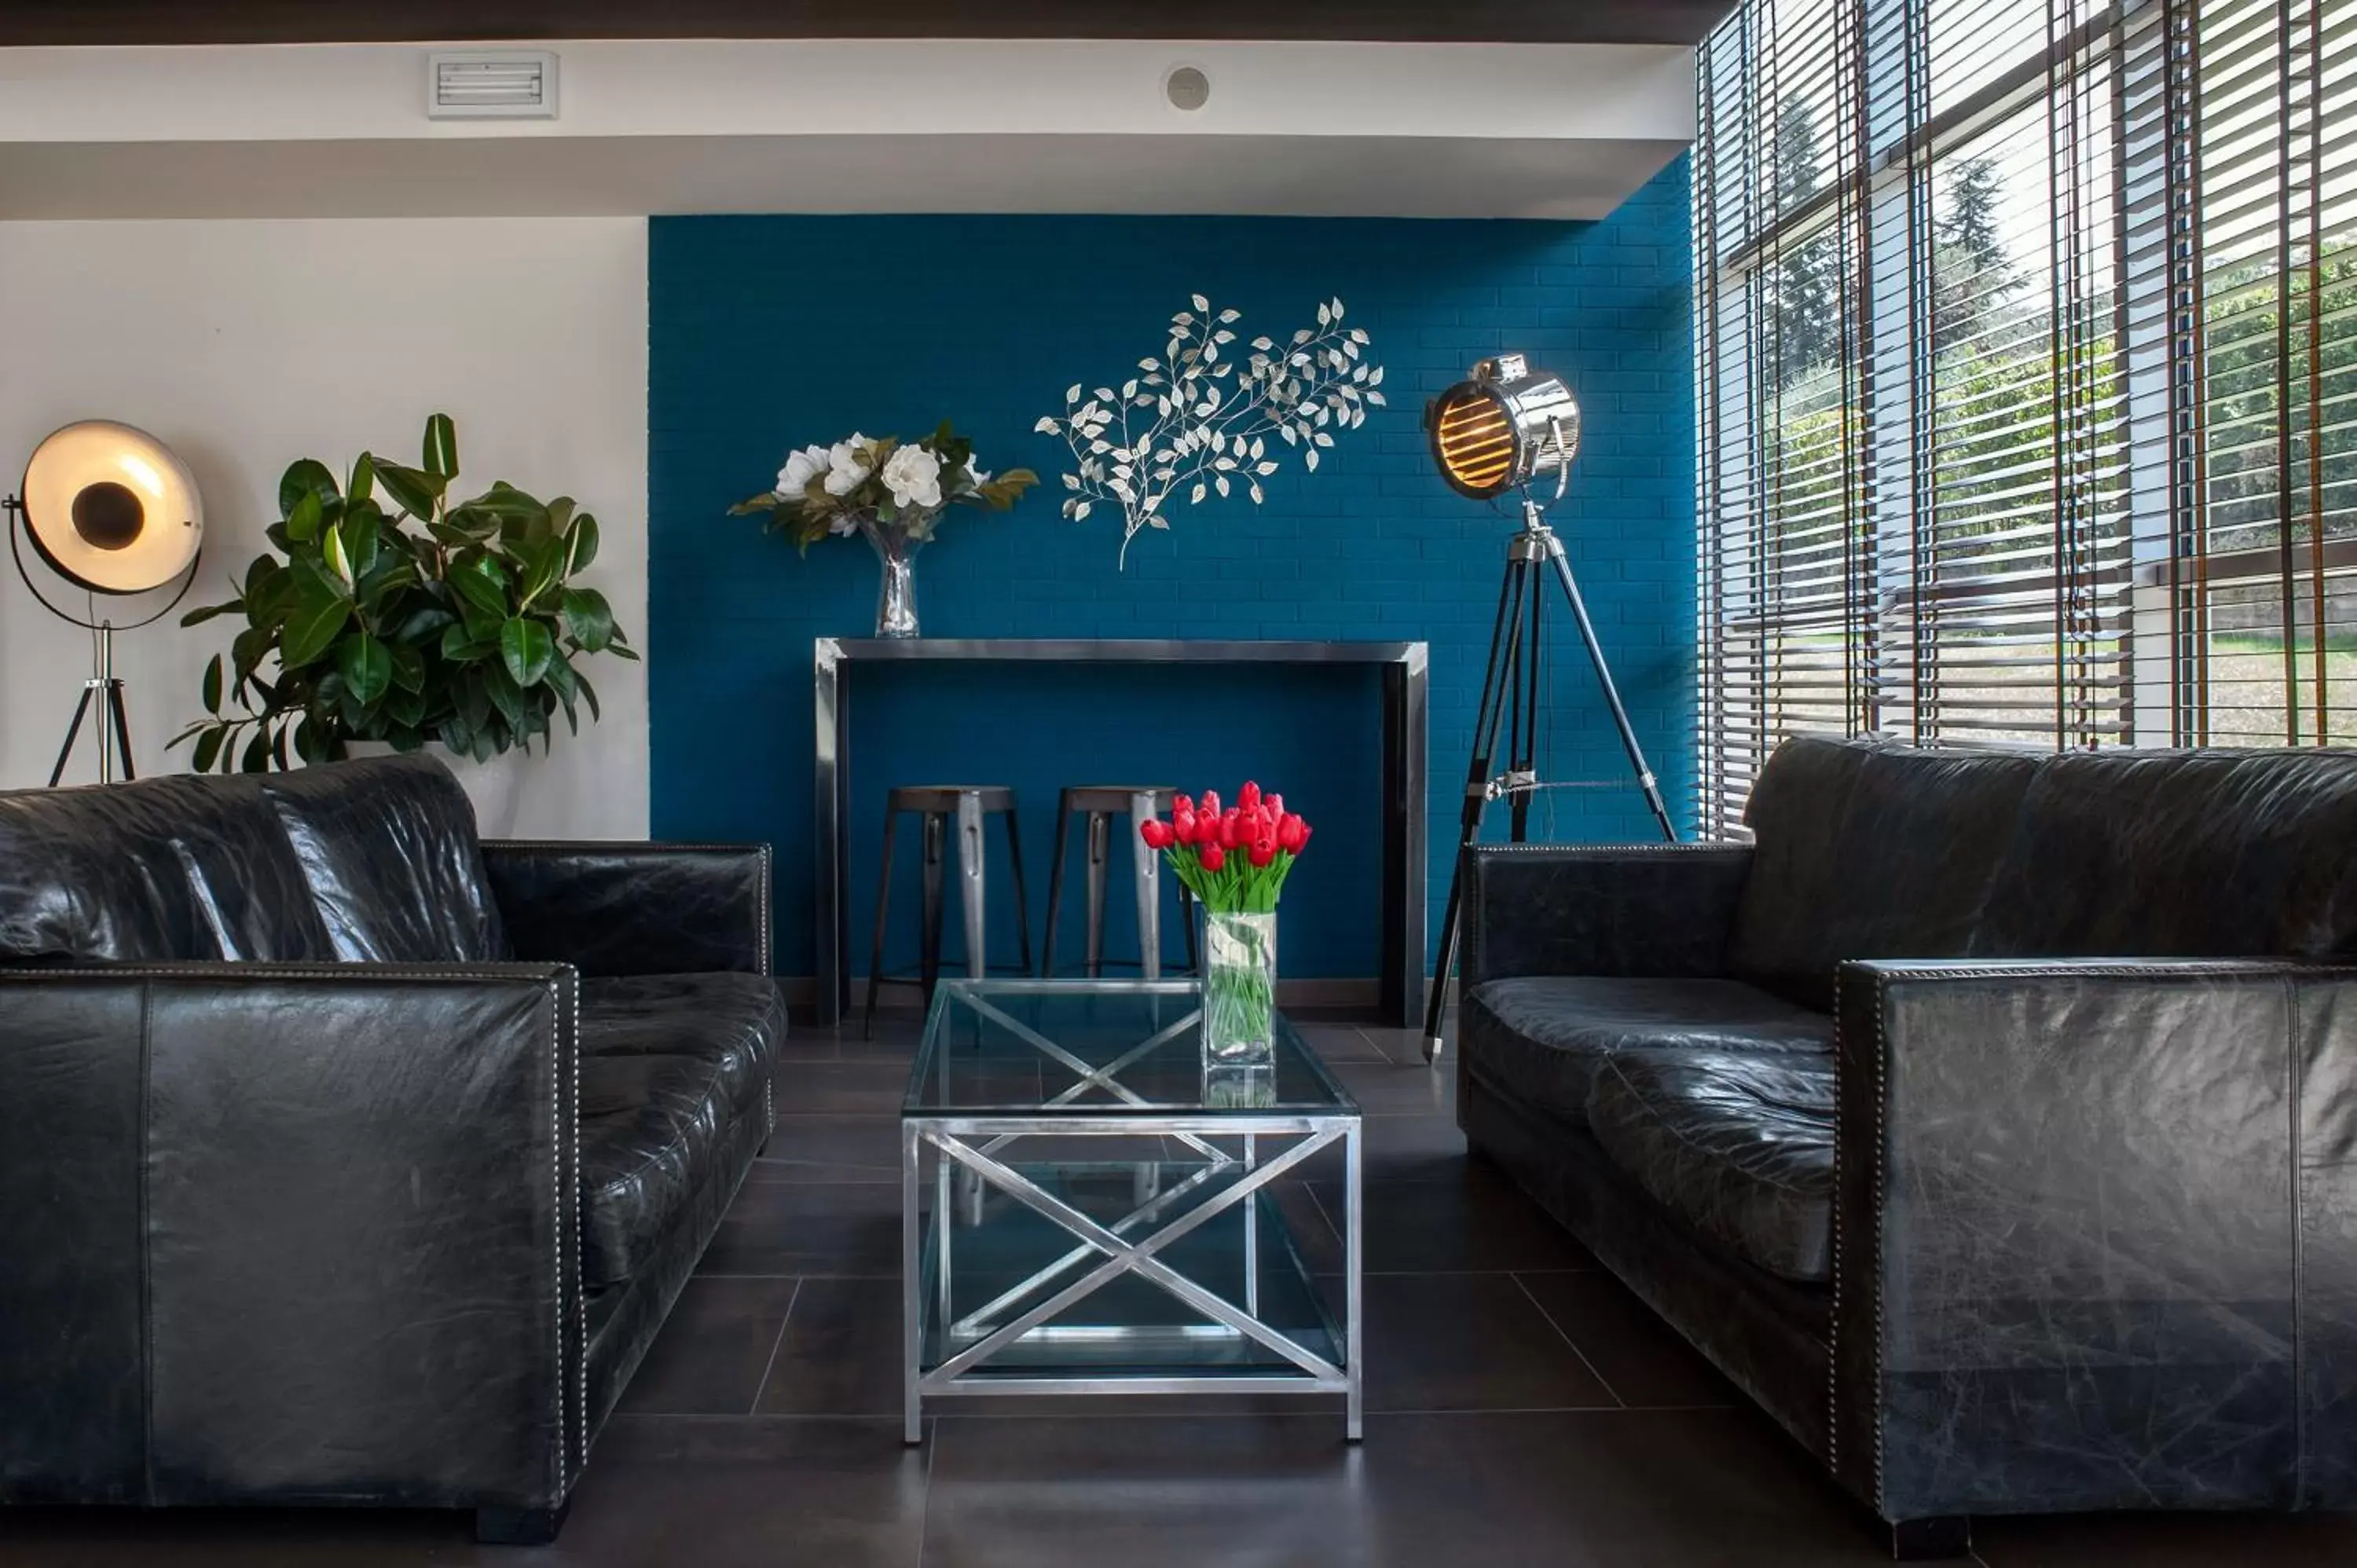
244,345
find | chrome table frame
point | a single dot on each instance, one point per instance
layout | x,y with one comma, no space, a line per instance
1406,723
966,1146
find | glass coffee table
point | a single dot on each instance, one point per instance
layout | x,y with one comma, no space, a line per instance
1087,1207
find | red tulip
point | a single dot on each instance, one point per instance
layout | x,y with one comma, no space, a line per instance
1157,833
1212,856
1249,796
1182,826
1211,806
1274,805
1181,803
1263,851
1292,832
1231,831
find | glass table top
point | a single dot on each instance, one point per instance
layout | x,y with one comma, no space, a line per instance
1100,1048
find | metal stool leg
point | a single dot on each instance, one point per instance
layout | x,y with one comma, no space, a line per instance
883,902
1187,917
1098,828
929,969
1148,879
1056,884
970,884
1022,899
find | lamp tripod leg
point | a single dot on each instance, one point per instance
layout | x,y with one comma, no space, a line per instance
73,733
1645,779
1502,686
122,727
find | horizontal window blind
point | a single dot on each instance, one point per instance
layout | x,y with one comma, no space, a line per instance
2027,362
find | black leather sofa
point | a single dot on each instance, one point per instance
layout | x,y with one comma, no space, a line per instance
344,1160
1991,1120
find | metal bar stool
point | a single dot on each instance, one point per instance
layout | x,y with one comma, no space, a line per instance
1100,803
937,804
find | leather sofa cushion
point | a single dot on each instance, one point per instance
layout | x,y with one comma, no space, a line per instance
388,848
2196,853
1904,846
1543,1038
669,1066
1739,1147
173,868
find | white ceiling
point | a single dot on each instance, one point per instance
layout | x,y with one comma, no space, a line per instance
1557,131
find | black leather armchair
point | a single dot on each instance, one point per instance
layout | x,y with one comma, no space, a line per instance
345,1161
1991,1120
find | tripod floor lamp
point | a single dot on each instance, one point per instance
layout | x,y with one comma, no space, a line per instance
1503,428
113,512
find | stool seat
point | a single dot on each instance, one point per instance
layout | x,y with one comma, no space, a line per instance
995,800
1097,805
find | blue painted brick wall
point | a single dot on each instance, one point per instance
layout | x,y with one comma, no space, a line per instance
772,331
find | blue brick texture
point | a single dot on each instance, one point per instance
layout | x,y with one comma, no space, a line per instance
767,332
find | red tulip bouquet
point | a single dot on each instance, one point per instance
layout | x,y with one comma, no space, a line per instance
1235,860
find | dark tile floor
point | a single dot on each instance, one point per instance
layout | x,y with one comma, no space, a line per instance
1524,1409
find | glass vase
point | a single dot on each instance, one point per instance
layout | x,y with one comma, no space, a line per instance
1238,988
896,596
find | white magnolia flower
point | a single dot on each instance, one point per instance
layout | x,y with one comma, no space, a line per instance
914,477
847,466
800,469
976,476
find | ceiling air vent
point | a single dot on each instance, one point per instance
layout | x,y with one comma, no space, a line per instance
507,84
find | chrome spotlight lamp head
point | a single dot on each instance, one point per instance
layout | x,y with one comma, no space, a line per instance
1504,427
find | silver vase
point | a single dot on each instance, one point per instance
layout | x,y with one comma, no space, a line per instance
896,596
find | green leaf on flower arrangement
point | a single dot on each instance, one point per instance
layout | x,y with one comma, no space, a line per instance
411,489
312,628
765,502
588,618
212,686
363,481
525,649
303,518
367,666
581,544
305,475
441,447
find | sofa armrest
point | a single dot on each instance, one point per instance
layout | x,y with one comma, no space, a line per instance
290,1233
634,908
2096,1236
1636,910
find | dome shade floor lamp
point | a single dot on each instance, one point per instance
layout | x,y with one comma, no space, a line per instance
1501,429
111,510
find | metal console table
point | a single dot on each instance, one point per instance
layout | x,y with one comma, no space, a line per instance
1405,747
1087,1204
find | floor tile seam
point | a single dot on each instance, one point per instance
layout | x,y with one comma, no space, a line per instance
1565,1335
776,1345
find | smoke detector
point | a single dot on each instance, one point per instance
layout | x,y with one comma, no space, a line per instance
1187,88
499,84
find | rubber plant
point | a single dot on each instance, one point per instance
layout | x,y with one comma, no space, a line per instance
391,611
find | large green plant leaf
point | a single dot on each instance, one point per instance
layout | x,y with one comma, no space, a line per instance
305,475
413,491
441,447
408,667
506,697
525,648
588,619
362,485
581,545
362,530
212,687
313,627
208,748
303,518
461,646
482,582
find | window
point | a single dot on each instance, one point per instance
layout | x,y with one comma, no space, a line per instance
2026,362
